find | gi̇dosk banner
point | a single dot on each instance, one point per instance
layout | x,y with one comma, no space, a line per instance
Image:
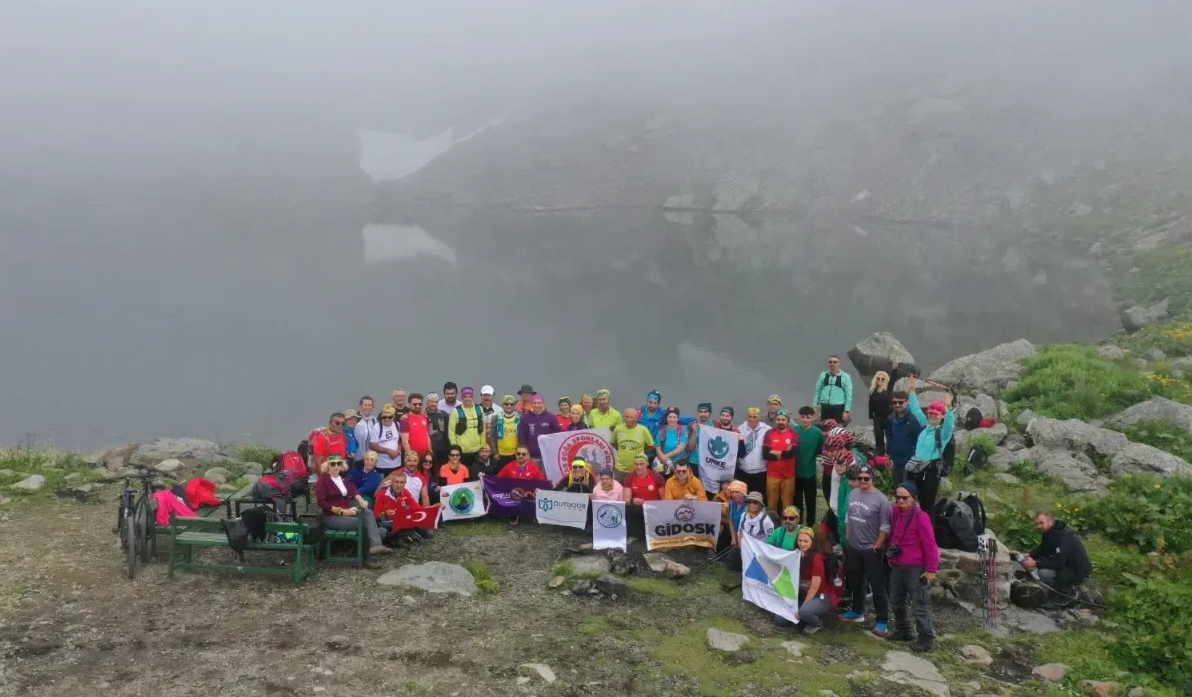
510,497
770,577
681,523
562,508
592,445
717,456
609,529
462,501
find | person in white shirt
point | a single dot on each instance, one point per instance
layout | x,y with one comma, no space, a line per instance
450,402
752,468
367,430
756,522
387,443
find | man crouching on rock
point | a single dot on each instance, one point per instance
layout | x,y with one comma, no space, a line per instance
1060,560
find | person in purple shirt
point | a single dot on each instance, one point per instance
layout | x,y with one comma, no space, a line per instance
537,422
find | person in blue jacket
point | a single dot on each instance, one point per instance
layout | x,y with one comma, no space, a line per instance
653,415
925,469
367,478
902,434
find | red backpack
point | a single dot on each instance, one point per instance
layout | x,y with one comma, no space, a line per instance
291,464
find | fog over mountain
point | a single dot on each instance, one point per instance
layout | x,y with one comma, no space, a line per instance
226,219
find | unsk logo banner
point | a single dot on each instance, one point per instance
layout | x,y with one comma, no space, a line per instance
590,445
462,501
609,529
717,456
770,577
681,523
562,508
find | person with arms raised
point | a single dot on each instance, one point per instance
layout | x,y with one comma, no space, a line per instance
926,468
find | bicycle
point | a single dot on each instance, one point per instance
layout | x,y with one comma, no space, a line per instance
132,520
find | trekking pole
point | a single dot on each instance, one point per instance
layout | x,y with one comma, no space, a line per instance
993,580
707,564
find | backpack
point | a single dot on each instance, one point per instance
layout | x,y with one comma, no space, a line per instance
947,452
461,427
953,523
977,507
292,463
828,376
972,419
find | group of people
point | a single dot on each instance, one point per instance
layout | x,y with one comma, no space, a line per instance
863,546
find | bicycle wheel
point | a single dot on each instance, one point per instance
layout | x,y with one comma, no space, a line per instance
130,550
146,534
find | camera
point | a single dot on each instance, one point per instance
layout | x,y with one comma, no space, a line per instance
893,551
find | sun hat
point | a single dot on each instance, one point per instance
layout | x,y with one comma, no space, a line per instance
526,388
351,414
756,497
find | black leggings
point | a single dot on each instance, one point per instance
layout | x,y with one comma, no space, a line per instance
755,481
928,484
805,494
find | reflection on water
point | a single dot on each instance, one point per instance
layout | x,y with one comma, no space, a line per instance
391,243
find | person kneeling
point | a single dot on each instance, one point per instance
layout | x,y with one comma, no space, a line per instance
1060,560
394,501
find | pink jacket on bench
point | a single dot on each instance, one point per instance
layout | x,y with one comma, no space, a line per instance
168,503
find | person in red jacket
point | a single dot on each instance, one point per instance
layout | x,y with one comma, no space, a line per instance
522,466
780,449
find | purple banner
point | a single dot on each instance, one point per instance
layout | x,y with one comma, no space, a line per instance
509,497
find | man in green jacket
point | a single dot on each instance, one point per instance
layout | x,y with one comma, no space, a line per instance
834,392
811,444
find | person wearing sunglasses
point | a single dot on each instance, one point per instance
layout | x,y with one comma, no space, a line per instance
902,434
328,442
387,443
927,467
834,392
914,560
785,536
867,526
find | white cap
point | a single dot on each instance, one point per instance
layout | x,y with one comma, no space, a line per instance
487,389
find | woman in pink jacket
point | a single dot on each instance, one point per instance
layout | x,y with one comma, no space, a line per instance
914,561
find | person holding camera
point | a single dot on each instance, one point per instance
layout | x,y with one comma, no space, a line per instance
1060,560
927,467
914,560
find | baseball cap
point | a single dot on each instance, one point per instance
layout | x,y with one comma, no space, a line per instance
488,390
863,469
351,414
526,388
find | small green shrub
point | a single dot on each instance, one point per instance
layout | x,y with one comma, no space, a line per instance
1027,471
1173,338
1163,436
1155,628
485,583
1068,381
1015,529
259,454
1154,514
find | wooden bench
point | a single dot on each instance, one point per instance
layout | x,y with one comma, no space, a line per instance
355,538
204,512
244,497
189,533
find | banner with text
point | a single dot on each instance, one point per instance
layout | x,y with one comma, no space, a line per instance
717,456
681,523
590,445
770,577
462,501
609,529
509,497
563,508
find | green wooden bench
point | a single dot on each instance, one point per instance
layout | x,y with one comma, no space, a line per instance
151,511
244,497
189,533
354,538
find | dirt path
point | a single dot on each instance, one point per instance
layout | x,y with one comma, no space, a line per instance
71,624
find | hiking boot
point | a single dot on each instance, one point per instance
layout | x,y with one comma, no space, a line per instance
379,550
900,635
880,629
808,630
370,564
854,617
922,647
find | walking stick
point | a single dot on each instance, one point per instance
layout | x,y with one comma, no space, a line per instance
707,564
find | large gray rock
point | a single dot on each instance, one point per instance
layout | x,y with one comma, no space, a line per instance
1137,317
1155,409
116,458
997,432
1075,435
726,641
983,402
194,449
31,483
611,585
172,465
432,577
1110,352
1024,418
863,433
881,351
905,667
1138,458
987,371
219,475
588,564
1075,470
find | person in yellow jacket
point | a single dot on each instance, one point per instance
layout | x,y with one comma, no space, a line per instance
684,485
503,430
466,426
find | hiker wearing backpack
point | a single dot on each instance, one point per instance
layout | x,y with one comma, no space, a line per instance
914,560
367,429
351,420
651,415
326,442
902,434
503,435
703,417
387,443
867,526
834,392
415,428
465,428
436,423
671,442
929,463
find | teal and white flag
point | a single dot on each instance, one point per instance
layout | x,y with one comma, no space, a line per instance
770,577
462,501
717,456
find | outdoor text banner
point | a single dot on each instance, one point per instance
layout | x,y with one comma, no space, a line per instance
609,530
509,497
559,449
717,456
681,523
563,508
462,501
770,577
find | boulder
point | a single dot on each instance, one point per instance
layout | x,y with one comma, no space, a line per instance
984,403
726,641
1075,435
541,670
976,655
1109,352
1024,418
219,475
1137,317
253,468
1138,458
116,459
611,585
170,466
432,577
193,449
657,561
795,648
1051,672
588,564
1154,355
863,433
33,482
881,351
987,371
1075,470
996,432
1014,442
557,582
1155,409
1100,688
905,667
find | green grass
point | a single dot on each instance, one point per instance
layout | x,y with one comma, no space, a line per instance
1088,654
257,453
1163,436
55,466
1173,337
1068,381
478,527
483,577
562,568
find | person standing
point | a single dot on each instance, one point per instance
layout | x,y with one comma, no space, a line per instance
398,400
436,420
387,444
587,402
351,420
465,426
773,404
751,467
880,397
781,451
486,403
866,528
811,446
834,392
526,393
328,442
703,417
563,413
631,440
671,447
415,428
575,419
604,416
914,560
368,428
538,422
503,435
449,403
926,468
902,434
652,415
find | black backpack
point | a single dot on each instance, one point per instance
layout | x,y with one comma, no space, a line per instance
973,419
947,453
977,507
953,523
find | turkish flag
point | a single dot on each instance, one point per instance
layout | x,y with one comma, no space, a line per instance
408,515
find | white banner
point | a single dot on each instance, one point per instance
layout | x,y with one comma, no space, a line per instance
717,456
770,577
609,530
590,445
562,508
462,501
681,523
